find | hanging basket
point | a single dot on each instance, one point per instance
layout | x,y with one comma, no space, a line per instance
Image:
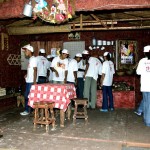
59,12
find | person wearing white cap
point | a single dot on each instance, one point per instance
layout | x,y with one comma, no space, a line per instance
31,77
93,69
72,69
80,75
59,67
143,69
106,83
42,67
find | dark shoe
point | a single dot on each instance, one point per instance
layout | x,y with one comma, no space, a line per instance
111,109
1,136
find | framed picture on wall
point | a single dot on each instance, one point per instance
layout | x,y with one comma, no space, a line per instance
126,54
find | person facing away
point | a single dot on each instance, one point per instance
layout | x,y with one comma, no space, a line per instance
93,69
42,67
143,69
59,66
106,83
31,77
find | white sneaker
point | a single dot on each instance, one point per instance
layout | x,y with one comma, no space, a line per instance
24,113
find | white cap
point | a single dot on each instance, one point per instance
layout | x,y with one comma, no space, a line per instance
147,48
51,56
78,55
106,53
65,51
29,47
85,52
42,51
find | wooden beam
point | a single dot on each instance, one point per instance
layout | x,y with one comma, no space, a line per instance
93,23
113,28
38,30
81,25
97,19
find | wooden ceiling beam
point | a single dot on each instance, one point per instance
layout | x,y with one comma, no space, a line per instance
98,20
112,28
38,30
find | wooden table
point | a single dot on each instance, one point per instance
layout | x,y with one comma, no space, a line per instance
58,93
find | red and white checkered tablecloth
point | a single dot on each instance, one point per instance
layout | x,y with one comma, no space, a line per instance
58,93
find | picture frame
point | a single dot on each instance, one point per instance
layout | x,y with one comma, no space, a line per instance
126,54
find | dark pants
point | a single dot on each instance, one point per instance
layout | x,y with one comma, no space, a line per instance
107,97
27,91
80,87
41,80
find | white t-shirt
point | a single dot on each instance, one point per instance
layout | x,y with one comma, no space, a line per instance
73,66
108,70
95,68
143,69
61,66
42,66
30,71
81,65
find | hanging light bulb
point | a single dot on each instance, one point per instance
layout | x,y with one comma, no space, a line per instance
27,11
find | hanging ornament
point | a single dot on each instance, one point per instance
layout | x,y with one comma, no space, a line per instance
59,12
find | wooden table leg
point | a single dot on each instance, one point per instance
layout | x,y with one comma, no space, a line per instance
62,118
69,111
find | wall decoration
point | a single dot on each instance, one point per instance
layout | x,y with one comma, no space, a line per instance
74,36
4,41
53,51
14,59
59,12
126,54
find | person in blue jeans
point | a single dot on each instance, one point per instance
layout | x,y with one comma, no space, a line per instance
143,69
106,83
31,77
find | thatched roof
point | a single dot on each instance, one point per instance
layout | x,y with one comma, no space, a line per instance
91,5
14,8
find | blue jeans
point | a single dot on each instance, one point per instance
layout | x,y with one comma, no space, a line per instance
146,107
107,97
140,108
27,91
80,87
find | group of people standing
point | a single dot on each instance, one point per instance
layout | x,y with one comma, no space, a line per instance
84,71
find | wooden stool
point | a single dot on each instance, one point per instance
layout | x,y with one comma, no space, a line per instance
80,114
42,116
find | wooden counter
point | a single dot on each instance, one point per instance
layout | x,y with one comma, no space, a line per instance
122,99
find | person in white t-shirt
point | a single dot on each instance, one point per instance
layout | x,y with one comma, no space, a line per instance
93,69
50,58
42,67
143,69
59,67
72,70
83,60
106,83
31,77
